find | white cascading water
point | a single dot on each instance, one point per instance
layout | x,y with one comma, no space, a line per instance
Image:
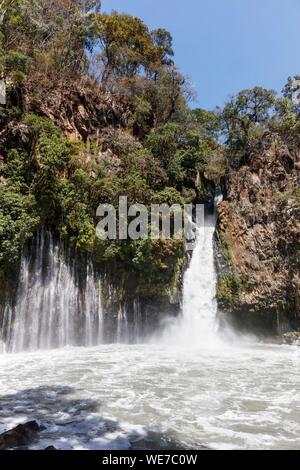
53,307
122,326
199,303
198,323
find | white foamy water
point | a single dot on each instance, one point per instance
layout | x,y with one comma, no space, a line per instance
244,397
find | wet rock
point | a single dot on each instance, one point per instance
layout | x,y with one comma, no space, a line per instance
292,338
21,435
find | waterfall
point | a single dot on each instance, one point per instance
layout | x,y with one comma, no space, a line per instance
58,300
122,326
198,322
199,289
130,323
59,303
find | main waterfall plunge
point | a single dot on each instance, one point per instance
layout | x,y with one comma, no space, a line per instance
197,325
59,300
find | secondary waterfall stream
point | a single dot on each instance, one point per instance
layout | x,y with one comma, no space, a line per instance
184,389
58,302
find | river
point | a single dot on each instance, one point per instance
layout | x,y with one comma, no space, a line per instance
189,386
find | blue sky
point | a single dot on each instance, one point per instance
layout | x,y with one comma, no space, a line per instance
226,45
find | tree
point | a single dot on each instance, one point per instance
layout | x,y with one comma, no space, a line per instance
244,114
291,92
163,39
181,152
167,94
286,120
90,5
51,32
208,123
127,47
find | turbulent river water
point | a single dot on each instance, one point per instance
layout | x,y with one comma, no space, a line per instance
112,397
187,387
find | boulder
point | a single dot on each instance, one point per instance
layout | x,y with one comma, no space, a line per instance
21,435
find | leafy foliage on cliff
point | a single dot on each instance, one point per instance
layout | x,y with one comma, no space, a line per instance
95,109
254,113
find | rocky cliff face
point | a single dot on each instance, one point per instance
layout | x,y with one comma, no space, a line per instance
80,111
258,239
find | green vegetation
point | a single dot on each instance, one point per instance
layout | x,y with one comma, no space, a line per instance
293,194
156,150
277,264
231,286
230,289
228,252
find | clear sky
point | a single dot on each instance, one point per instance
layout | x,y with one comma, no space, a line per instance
224,46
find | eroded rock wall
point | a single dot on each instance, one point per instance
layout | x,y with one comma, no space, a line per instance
258,240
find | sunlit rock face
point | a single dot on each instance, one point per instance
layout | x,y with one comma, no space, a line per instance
258,241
